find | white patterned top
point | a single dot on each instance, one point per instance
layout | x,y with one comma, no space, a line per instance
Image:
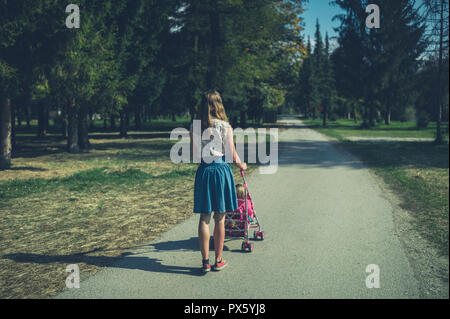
213,140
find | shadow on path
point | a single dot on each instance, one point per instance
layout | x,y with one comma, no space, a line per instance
126,260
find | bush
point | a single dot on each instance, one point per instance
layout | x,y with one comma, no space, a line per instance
423,120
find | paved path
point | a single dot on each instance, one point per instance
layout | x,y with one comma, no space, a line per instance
325,220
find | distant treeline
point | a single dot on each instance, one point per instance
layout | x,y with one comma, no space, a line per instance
139,59
398,71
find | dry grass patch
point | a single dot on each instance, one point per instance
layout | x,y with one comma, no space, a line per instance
88,209
43,233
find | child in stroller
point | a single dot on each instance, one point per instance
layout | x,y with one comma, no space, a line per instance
236,225
240,193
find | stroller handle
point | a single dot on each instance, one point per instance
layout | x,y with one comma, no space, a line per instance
243,178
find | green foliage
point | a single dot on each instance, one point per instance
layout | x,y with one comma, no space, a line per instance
378,66
153,57
273,98
316,79
249,58
8,78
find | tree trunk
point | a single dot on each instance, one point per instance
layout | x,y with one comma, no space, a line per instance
355,117
243,119
324,120
148,114
138,117
440,105
28,114
372,115
5,133
72,138
42,127
387,116
13,127
123,124
192,113
127,119
113,121
83,129
214,44
19,116
47,118
64,122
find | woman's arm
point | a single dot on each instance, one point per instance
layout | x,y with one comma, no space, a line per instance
232,150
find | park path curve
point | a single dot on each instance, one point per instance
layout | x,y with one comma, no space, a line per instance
325,220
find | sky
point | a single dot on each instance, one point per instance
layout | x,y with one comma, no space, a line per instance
322,10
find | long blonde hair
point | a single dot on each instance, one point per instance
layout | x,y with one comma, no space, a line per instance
240,191
211,107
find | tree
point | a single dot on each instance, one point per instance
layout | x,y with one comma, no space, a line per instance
329,91
382,60
318,78
305,85
16,19
349,57
237,47
436,14
84,64
6,75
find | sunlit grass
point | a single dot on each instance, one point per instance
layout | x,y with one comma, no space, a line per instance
342,129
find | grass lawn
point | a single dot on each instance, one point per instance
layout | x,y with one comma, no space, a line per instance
88,208
417,171
344,129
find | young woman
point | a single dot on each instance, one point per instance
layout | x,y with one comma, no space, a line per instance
214,189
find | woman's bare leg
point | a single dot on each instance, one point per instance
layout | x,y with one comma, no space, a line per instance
203,235
219,235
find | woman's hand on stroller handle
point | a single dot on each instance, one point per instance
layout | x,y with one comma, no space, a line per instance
242,167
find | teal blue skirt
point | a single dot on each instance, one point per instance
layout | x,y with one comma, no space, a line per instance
214,189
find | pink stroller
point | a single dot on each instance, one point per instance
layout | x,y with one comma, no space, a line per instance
239,223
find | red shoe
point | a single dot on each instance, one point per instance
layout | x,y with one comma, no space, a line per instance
219,265
206,267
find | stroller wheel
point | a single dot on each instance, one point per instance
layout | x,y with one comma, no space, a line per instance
243,246
251,248
255,235
263,235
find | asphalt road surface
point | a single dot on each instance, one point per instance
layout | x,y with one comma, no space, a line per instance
325,221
